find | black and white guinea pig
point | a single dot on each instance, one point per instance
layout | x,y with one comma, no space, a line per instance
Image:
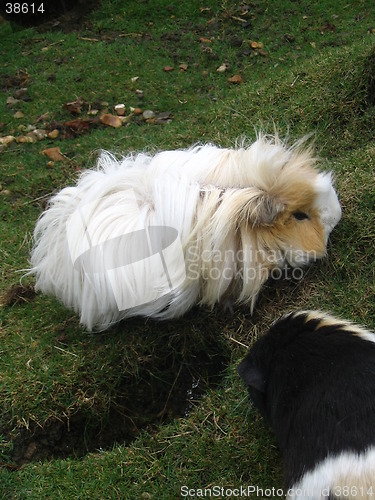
312,377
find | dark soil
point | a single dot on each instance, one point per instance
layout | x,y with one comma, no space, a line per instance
17,294
141,402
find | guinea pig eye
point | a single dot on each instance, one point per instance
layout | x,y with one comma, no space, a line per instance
300,215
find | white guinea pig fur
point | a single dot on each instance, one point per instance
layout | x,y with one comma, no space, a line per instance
238,214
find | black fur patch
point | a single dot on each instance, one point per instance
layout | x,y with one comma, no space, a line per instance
315,385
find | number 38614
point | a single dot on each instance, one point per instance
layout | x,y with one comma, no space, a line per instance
24,8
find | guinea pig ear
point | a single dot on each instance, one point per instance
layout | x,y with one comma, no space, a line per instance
251,374
258,207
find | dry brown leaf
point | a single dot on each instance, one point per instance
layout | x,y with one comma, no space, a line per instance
53,134
168,68
21,139
111,120
54,154
39,134
164,117
120,109
78,125
235,79
74,107
21,93
222,68
8,139
11,101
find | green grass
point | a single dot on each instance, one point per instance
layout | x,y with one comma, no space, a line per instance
129,386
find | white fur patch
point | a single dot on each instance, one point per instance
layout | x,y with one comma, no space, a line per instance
348,475
326,319
327,202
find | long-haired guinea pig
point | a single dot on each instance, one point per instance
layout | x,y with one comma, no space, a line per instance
152,235
312,376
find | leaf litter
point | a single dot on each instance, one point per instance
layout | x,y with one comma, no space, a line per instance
87,115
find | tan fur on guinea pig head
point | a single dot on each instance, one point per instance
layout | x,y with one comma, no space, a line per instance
310,210
290,206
